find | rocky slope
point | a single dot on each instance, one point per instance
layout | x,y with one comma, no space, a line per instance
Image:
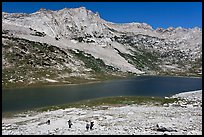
76,45
179,118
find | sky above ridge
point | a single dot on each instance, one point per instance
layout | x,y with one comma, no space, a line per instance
156,14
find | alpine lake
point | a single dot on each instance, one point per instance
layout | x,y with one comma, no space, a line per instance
155,86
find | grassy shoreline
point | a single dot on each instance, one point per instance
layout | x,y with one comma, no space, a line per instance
97,79
51,85
101,101
97,103
112,101
90,81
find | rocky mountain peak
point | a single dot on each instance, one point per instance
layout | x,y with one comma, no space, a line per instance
42,9
144,26
81,40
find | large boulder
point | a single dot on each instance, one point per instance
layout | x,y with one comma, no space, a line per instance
165,127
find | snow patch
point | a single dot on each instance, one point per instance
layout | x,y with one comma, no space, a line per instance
51,80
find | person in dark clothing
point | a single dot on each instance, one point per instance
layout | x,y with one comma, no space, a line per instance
87,126
48,122
91,125
70,123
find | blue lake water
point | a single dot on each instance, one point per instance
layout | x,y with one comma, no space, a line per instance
28,98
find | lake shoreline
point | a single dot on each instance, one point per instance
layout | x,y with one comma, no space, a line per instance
94,82
83,104
177,118
112,101
54,85
158,86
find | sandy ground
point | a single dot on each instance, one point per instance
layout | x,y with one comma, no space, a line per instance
183,118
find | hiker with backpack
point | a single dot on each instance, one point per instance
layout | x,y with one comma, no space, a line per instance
87,126
70,123
91,125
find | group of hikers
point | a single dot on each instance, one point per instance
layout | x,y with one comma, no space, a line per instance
89,125
70,124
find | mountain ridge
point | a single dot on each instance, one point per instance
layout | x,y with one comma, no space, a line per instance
44,10
84,41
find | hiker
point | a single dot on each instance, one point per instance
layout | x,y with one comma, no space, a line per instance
48,122
70,123
91,125
87,126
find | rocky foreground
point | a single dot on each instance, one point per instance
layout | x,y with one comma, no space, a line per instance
181,118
